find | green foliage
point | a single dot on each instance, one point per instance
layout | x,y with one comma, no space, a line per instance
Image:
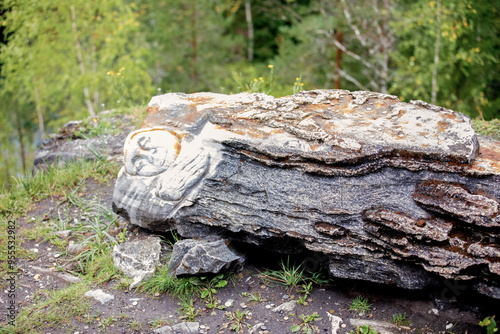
209,286
53,309
365,329
289,275
164,282
253,298
360,304
468,34
292,275
306,290
237,321
490,324
306,325
399,319
487,128
52,182
187,309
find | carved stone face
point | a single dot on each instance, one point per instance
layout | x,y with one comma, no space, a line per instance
150,151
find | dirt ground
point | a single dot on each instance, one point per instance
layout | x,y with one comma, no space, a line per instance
449,308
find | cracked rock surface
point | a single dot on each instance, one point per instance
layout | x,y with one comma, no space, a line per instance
379,190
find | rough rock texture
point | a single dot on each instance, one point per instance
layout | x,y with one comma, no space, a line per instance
195,257
99,295
380,190
66,146
182,328
137,259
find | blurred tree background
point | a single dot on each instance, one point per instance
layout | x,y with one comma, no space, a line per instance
66,60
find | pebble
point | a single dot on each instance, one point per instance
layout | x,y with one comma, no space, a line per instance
286,296
269,306
435,311
229,303
134,303
285,318
343,325
243,305
263,327
449,326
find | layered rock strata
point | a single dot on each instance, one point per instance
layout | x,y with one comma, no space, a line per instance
380,190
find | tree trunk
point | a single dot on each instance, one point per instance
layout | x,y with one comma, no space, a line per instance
21,139
81,64
248,15
436,54
39,112
338,60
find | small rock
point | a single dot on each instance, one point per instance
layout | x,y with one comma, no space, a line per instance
68,277
229,303
137,259
34,250
243,305
64,234
184,328
335,322
256,327
99,295
435,311
134,303
379,326
286,307
286,296
449,326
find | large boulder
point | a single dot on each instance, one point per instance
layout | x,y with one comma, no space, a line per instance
380,190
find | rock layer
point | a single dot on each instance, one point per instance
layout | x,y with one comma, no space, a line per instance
378,189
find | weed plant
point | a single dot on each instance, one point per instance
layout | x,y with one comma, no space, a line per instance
360,304
237,320
253,298
305,325
293,275
365,329
164,282
490,324
187,309
399,319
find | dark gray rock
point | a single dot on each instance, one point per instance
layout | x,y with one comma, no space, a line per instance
381,190
195,257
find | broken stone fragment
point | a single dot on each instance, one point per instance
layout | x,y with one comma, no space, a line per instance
182,328
196,257
377,189
99,295
137,259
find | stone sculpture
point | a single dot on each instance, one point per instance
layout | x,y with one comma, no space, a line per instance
380,190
